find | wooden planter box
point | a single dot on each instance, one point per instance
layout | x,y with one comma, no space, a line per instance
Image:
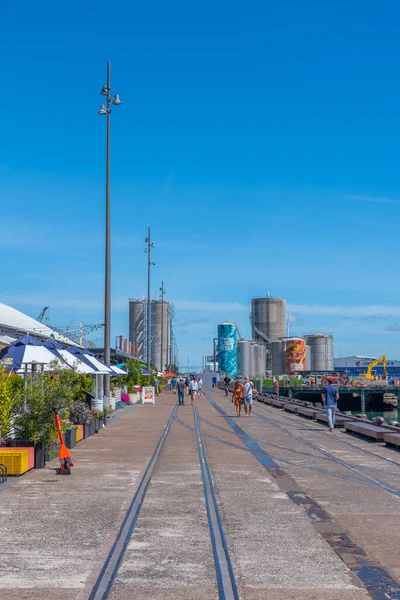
80,433
90,429
70,437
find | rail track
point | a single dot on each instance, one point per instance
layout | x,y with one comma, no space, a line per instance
226,582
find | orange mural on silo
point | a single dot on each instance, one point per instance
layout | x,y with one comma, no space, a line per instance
295,355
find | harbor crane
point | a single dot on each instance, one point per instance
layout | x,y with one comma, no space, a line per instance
368,373
42,314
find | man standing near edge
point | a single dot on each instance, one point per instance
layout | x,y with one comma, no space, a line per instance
181,392
330,396
248,396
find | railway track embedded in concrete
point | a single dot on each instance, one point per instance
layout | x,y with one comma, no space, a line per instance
226,582
375,578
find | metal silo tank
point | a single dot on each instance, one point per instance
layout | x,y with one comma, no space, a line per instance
262,361
136,326
269,317
256,359
308,357
244,358
321,345
295,355
278,352
159,311
227,348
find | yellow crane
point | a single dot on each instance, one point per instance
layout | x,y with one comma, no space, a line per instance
368,373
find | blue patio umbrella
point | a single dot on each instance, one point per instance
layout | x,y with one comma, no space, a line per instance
90,359
25,351
54,347
145,372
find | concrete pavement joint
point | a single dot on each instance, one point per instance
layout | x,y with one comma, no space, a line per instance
379,584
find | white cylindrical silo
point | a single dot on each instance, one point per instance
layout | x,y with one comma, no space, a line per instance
321,345
278,352
262,361
244,358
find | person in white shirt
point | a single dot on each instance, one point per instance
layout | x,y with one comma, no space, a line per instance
200,384
248,396
193,390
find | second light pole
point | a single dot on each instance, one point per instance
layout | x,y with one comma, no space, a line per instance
162,294
105,109
150,245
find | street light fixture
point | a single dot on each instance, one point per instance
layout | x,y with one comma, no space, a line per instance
149,248
105,109
162,294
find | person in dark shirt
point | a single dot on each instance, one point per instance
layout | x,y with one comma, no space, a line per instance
227,381
181,391
330,396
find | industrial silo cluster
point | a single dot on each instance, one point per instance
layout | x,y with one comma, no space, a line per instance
162,338
271,349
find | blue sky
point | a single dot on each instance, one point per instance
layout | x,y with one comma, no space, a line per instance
258,140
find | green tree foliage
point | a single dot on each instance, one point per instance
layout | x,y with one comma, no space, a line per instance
10,393
46,392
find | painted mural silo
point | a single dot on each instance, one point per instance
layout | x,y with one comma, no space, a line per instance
227,348
295,355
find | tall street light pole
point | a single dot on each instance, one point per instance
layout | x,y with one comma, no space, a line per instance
105,109
162,294
150,245
215,354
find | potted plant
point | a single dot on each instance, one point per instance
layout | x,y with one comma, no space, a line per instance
80,414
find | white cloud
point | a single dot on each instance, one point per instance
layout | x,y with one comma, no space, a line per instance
211,306
348,311
375,199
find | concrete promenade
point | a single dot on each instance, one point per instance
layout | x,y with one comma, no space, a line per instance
299,524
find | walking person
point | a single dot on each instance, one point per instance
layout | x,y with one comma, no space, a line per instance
173,383
227,381
237,397
330,396
248,396
193,389
214,381
155,385
181,392
187,385
200,384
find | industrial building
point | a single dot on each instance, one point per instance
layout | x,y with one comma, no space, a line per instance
353,366
271,350
163,349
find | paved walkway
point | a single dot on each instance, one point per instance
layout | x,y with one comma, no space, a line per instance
297,522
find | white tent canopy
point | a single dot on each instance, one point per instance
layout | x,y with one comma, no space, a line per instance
76,364
14,320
